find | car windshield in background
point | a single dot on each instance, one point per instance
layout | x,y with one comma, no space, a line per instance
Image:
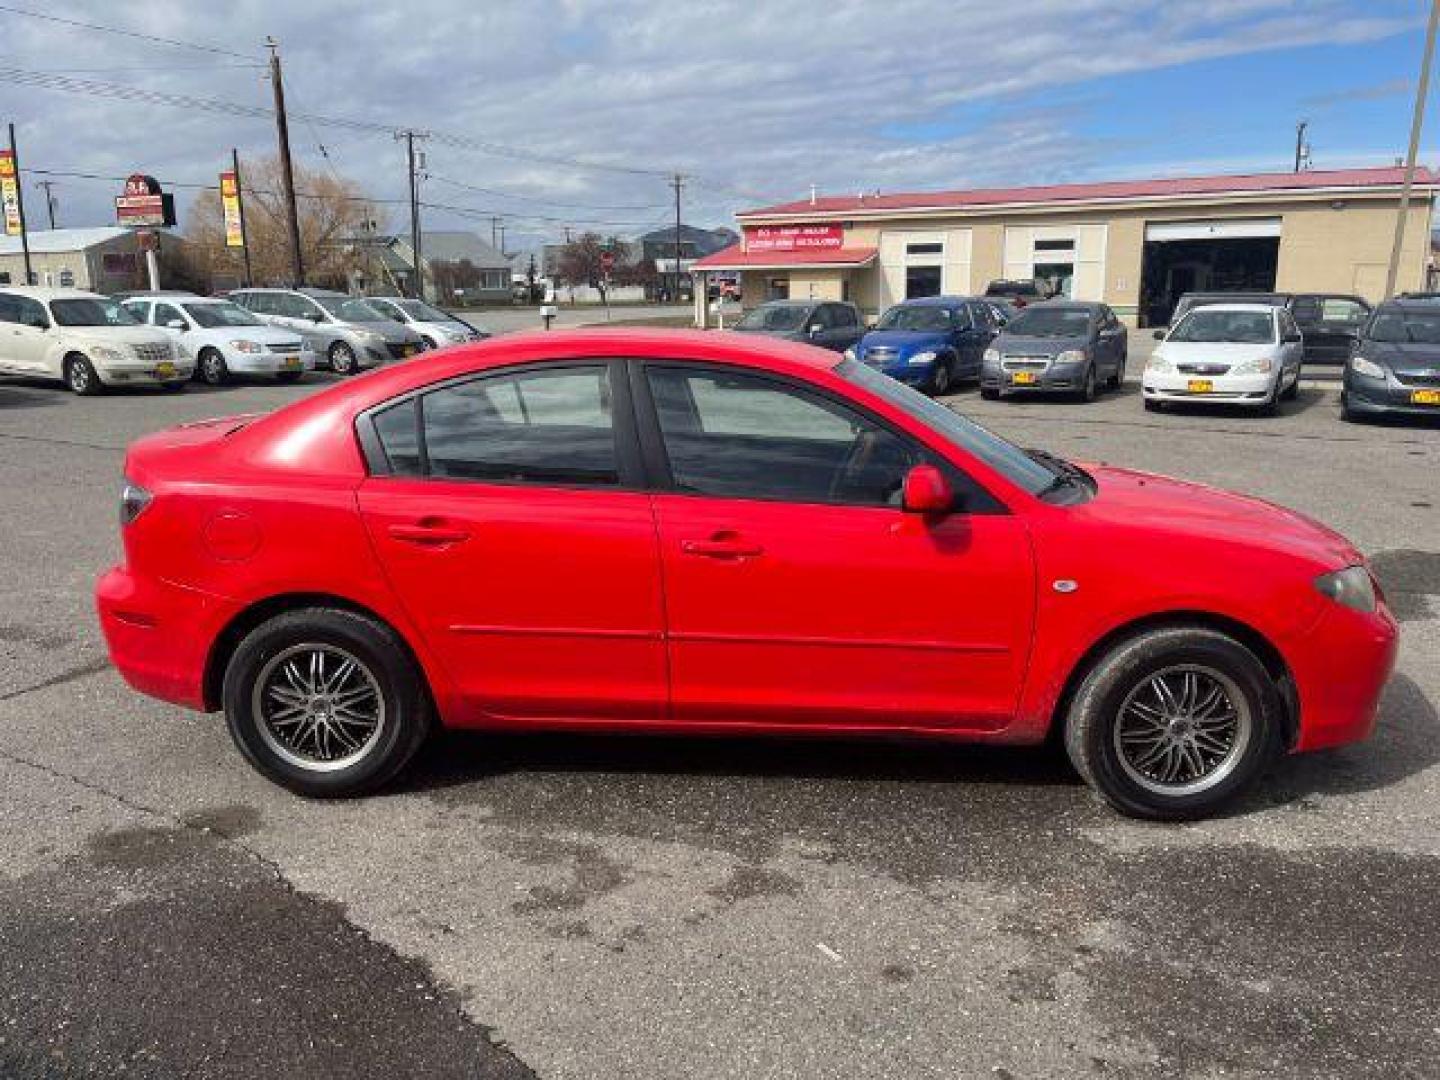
1411,327
1051,322
1236,327
88,311
774,318
349,310
1005,458
922,317
215,316
422,312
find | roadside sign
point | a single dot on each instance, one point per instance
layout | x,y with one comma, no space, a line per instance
607,261
230,203
144,203
10,193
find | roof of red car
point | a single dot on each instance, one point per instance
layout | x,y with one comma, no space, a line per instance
1113,189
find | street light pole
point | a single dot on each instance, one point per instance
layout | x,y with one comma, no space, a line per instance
1417,122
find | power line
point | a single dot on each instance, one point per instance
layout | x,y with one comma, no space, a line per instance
173,42
542,199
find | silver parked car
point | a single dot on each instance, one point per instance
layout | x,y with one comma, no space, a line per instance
436,328
347,331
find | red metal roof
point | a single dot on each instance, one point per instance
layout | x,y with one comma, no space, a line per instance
1115,189
736,257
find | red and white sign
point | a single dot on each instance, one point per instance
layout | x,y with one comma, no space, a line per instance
144,203
794,237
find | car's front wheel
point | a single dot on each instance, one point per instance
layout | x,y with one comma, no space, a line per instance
1089,390
81,378
326,702
1174,723
212,368
940,377
342,359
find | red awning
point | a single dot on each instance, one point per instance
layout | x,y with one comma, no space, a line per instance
736,258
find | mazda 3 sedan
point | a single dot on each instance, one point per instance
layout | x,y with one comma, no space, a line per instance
634,531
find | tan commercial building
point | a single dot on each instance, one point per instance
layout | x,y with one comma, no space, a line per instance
1136,245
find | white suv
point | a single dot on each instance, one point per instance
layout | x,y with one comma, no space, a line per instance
87,340
224,339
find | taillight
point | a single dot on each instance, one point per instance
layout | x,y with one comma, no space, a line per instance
133,501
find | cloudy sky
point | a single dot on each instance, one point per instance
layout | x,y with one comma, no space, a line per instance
752,101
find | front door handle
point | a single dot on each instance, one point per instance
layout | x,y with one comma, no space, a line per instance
722,546
428,534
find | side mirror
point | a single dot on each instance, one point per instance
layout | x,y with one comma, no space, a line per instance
1159,335
927,491
176,324
815,329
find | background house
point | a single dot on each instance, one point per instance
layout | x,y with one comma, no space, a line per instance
106,259
459,267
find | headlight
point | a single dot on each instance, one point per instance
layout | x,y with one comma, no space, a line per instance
1352,587
992,356
849,354
1071,356
104,352
1368,368
244,346
927,357
1158,363
1259,366
133,500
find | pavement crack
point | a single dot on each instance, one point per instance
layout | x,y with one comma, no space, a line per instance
80,671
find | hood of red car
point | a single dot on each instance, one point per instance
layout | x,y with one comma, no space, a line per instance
1166,504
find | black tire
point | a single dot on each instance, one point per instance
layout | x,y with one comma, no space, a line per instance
1347,414
342,359
80,377
942,377
1090,389
288,376
211,368
1271,405
989,393
381,658
1091,737
1113,383
1151,405
1292,391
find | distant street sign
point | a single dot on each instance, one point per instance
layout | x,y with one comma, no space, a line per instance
607,261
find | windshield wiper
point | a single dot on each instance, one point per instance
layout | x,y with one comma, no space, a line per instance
1067,474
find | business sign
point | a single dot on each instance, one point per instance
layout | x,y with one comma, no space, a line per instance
230,203
144,204
10,193
794,237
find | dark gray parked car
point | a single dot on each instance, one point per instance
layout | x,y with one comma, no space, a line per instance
1395,365
1067,345
829,324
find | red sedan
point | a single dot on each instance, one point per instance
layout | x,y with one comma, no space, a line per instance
676,532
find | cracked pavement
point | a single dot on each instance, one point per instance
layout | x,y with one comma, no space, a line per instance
570,907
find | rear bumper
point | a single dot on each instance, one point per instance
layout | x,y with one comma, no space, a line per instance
1340,668
159,634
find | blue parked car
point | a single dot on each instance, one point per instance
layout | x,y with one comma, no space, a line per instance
930,343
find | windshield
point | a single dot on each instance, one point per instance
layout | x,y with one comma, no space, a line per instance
91,311
214,316
348,309
1237,327
1005,458
1012,288
779,317
1410,327
915,317
422,312
1050,322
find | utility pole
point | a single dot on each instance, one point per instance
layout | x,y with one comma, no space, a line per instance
20,203
1300,143
501,248
1416,123
677,183
494,227
287,172
419,263
49,199
240,203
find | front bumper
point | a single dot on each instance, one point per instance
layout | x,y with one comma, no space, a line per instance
1224,389
1053,377
1340,667
1363,394
159,634
903,371
135,373
270,363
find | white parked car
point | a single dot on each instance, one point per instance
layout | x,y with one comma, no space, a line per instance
87,340
1226,354
223,339
436,328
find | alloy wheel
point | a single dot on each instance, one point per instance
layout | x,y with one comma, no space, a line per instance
319,707
1182,730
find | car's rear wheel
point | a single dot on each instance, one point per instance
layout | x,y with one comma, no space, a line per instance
1174,723
81,378
342,359
212,368
1113,383
325,702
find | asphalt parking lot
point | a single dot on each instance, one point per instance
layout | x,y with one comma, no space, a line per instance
573,907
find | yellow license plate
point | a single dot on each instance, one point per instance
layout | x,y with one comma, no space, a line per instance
1425,397
408,350
291,363
165,370
1023,378
1200,386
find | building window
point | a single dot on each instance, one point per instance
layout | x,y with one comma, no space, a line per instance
1054,245
922,281
67,278
4,277
777,288
925,249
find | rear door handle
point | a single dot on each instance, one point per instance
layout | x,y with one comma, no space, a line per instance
428,534
722,548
